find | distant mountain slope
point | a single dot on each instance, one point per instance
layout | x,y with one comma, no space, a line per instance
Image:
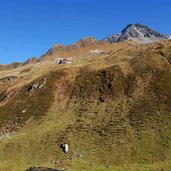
10,66
139,33
19,64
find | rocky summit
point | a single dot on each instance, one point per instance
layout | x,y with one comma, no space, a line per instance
139,33
93,105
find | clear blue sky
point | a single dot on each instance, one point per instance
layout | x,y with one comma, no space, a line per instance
30,27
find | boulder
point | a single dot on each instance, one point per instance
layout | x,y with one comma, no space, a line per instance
43,169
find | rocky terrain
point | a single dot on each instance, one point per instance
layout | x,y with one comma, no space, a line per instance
111,105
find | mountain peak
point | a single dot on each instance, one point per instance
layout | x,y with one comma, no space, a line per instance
54,49
137,32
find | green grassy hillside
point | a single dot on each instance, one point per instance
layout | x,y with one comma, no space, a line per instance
114,113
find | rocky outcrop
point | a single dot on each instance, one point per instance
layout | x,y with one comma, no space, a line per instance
38,85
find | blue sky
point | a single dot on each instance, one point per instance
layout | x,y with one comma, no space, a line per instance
30,27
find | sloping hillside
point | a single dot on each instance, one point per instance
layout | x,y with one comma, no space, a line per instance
112,108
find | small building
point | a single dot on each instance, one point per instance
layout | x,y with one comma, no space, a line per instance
64,61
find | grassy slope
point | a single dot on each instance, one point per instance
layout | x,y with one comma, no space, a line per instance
112,118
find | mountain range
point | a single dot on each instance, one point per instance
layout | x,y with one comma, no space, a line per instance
108,101
132,32
135,32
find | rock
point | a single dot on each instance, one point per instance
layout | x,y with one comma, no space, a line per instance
80,155
24,111
38,85
57,162
35,86
43,169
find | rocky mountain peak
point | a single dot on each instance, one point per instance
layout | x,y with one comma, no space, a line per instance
137,32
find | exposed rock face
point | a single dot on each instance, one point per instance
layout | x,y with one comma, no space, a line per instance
42,169
38,85
137,32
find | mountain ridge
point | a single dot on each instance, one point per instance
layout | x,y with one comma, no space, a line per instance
137,32
130,32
